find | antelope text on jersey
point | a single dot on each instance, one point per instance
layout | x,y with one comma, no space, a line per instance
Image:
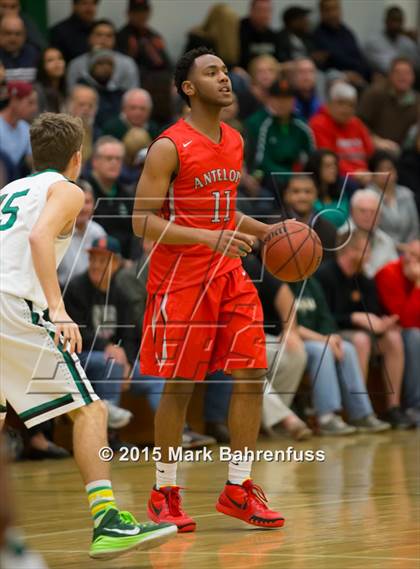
218,175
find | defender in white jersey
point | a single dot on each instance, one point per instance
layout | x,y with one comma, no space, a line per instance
40,373
57,381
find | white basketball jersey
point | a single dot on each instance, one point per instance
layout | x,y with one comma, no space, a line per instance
21,203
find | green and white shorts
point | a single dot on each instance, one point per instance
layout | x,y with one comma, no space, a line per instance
37,378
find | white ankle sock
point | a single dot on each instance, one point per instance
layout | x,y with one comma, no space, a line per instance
239,471
165,474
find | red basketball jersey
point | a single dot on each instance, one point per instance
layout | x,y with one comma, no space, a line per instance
203,195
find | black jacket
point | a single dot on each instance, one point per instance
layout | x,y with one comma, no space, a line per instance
102,320
147,48
346,295
109,103
409,172
114,214
71,37
343,49
255,42
290,47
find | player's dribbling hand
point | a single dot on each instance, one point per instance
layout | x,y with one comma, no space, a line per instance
230,243
271,228
66,331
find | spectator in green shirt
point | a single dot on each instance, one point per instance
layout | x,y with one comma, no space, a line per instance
276,141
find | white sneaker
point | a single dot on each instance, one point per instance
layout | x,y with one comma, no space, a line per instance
26,560
14,555
117,416
336,427
370,424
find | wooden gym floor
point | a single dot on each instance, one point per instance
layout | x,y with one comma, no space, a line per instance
359,509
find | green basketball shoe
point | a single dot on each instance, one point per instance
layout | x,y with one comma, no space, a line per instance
120,532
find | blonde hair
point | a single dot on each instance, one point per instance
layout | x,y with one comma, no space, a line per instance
252,67
222,27
135,140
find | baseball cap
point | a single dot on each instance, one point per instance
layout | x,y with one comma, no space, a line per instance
294,13
281,88
106,244
139,5
19,89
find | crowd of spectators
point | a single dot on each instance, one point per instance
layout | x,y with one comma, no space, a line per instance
332,138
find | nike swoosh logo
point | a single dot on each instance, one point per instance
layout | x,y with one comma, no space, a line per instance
134,531
237,504
186,144
155,509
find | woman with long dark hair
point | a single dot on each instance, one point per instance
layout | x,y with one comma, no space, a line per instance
50,81
333,198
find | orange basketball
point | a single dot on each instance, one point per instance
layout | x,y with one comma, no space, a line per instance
292,251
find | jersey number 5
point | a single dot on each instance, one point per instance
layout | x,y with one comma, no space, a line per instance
216,218
8,209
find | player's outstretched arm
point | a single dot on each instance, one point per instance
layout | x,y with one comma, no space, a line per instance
64,202
160,166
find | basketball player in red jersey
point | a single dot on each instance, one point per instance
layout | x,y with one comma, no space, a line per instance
203,311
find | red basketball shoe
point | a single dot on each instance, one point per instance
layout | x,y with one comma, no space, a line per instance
165,504
247,502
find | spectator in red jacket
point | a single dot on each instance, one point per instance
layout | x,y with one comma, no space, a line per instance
398,285
337,128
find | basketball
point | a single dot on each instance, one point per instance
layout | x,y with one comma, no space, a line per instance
292,251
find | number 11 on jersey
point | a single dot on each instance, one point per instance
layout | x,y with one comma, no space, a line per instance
216,218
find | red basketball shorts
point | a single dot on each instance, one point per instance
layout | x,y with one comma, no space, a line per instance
200,329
